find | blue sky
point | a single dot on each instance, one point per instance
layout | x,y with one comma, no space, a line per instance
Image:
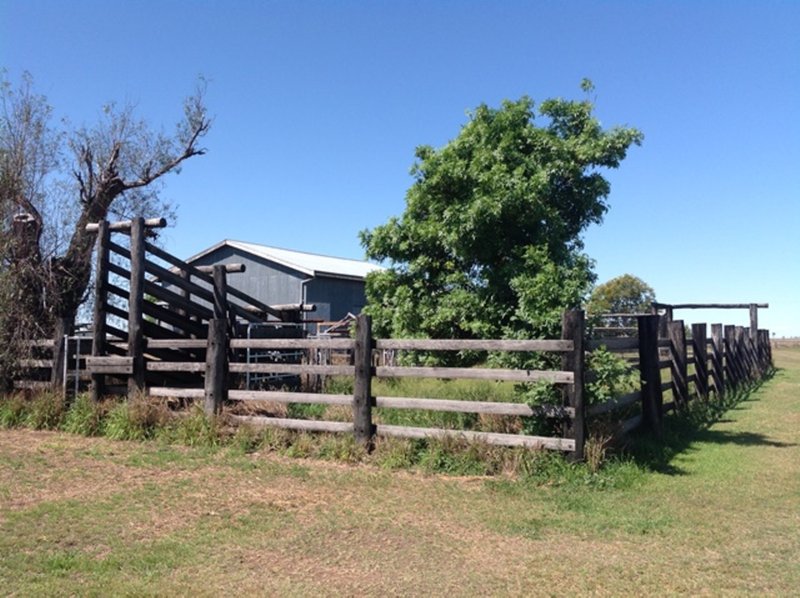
318,107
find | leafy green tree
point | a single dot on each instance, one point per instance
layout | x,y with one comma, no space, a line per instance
489,244
626,294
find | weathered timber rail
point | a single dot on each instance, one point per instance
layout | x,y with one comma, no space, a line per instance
678,368
178,328
219,366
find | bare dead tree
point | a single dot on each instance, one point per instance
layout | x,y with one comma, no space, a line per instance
114,168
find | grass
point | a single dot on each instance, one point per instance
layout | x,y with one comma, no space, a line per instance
714,513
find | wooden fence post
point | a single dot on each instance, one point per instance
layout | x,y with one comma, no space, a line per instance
752,351
768,347
753,321
731,362
717,360
221,307
99,316
677,343
216,381
650,373
700,360
220,292
135,309
58,379
362,386
743,352
664,322
763,351
573,327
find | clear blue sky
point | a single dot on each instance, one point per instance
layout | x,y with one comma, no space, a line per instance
319,105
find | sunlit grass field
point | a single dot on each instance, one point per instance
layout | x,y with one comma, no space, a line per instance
713,512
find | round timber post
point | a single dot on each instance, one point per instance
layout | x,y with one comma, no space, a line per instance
99,313
573,327
362,386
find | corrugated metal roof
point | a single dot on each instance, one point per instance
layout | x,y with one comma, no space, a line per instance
311,264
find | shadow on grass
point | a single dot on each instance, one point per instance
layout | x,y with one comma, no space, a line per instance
682,430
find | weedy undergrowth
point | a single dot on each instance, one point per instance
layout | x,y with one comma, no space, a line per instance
85,417
46,411
13,410
137,419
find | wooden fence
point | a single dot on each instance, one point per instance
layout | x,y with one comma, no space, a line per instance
183,339
677,368
221,362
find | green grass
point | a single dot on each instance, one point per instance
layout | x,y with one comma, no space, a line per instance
711,513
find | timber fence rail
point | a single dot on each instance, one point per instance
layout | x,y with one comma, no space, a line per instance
166,328
703,366
219,368
154,297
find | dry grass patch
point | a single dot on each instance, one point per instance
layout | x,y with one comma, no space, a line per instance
93,517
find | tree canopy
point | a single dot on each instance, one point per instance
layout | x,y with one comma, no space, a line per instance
489,244
626,294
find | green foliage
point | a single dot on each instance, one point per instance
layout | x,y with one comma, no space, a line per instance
453,456
137,419
609,376
397,453
85,417
535,395
339,385
489,244
194,429
120,425
13,411
45,412
623,294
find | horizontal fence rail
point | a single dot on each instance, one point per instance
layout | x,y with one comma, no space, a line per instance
683,368
223,356
169,329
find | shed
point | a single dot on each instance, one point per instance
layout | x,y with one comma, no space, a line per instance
278,276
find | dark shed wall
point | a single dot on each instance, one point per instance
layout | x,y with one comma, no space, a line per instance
267,281
275,284
335,297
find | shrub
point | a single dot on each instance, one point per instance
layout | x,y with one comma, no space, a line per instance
137,419
195,429
45,412
84,417
13,411
609,376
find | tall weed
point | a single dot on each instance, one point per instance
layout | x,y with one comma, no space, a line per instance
13,411
195,429
46,411
84,417
137,419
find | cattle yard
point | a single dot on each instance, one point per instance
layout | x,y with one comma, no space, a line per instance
164,328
